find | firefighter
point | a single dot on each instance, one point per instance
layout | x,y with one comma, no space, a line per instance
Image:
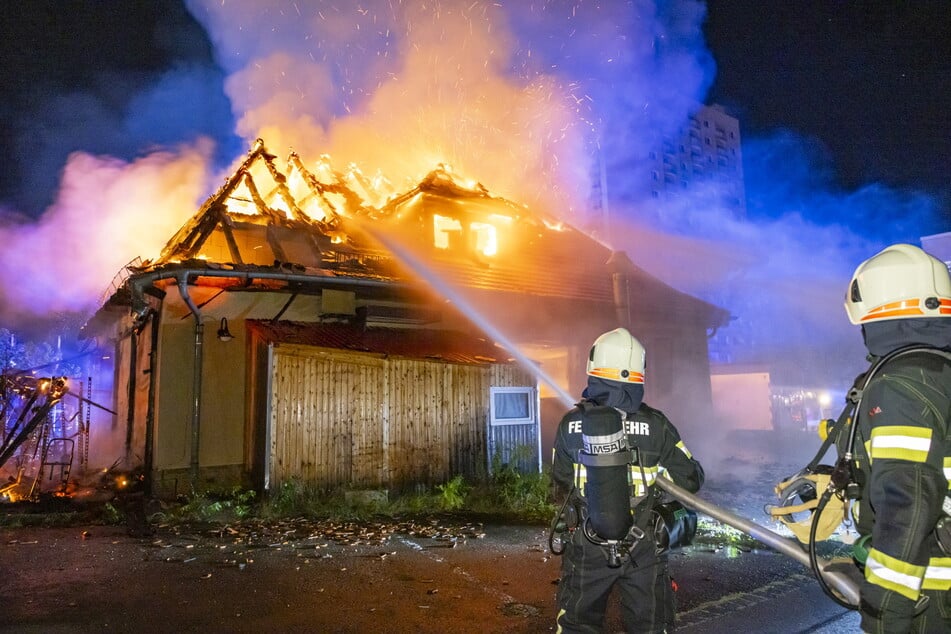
631,560
901,297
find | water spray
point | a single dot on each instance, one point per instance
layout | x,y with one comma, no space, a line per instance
474,315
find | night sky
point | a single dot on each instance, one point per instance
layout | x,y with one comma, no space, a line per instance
71,72
870,81
866,84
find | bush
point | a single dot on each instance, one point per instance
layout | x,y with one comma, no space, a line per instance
452,494
230,505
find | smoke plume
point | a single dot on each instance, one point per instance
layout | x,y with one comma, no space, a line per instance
537,101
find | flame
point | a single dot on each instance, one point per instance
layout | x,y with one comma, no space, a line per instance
243,206
486,238
444,231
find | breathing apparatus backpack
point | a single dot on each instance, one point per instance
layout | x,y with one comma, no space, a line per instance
607,516
826,493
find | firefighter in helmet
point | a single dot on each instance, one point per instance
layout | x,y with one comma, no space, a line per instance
901,297
608,451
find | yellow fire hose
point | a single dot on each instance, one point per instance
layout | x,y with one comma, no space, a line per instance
839,580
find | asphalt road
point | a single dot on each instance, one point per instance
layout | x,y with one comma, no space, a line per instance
301,577
440,576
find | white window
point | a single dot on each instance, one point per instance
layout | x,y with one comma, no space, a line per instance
512,405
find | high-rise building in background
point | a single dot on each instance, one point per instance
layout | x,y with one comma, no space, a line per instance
703,159
700,165
697,169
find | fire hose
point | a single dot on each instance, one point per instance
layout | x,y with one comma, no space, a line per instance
845,585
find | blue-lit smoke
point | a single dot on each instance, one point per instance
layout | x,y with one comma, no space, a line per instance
782,270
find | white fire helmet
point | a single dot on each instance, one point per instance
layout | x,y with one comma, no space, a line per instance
900,282
617,356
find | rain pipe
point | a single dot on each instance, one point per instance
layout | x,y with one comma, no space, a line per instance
196,378
130,414
138,283
150,408
620,265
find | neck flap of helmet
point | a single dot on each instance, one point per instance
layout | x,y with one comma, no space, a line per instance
624,396
882,337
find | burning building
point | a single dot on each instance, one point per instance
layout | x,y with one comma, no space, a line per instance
303,325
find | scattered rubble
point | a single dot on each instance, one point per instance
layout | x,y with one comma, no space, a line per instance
232,545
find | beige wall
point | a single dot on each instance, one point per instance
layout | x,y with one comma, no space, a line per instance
222,404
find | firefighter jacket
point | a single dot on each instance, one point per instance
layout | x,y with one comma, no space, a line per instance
661,453
903,421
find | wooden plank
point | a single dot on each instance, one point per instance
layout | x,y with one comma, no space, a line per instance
354,419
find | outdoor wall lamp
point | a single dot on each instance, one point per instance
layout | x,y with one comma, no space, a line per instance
223,333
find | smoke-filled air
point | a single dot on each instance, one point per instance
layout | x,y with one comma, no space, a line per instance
537,101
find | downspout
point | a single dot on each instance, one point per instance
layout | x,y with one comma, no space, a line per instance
130,414
620,267
196,379
149,457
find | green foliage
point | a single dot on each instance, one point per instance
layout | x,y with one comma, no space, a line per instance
297,498
230,505
291,498
111,515
523,493
507,493
516,492
452,494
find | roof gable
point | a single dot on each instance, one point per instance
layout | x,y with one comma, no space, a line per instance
317,221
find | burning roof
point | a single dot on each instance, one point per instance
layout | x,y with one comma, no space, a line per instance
269,226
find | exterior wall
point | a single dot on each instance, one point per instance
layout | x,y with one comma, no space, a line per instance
678,370
133,421
173,409
341,419
742,401
222,406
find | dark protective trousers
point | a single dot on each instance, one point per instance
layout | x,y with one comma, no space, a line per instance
936,619
642,581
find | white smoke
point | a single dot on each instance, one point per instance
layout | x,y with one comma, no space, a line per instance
106,213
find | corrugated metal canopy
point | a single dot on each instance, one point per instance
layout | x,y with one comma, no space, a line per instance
436,345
